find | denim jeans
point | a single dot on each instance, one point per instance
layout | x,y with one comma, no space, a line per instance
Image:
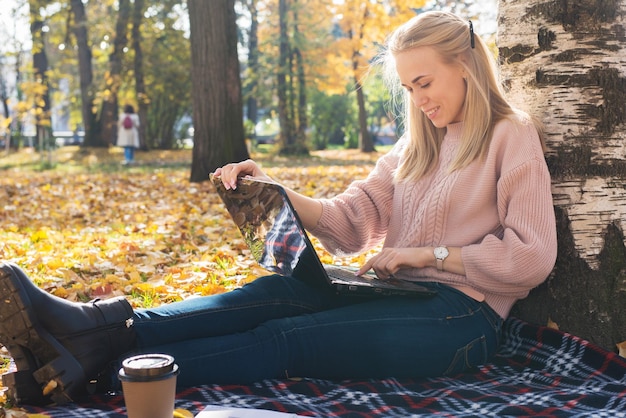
278,327
129,153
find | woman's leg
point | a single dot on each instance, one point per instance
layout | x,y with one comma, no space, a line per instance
128,154
400,337
232,312
55,343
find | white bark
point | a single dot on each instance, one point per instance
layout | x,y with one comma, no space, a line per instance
565,62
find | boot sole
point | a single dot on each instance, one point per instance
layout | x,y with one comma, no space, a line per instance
46,371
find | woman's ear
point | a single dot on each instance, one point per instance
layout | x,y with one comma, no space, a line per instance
463,71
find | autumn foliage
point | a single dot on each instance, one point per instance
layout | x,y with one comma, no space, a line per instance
92,228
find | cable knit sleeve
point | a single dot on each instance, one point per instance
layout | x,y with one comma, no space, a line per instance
358,218
522,253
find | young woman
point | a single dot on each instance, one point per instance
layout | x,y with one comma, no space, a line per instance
462,204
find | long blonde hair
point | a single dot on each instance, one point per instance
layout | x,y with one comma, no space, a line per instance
484,105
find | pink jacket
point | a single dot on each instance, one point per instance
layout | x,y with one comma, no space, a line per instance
499,210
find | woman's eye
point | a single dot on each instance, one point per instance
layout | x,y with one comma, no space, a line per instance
423,86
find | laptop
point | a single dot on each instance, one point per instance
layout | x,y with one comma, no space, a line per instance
278,241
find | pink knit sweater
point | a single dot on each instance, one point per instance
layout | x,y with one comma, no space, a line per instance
499,210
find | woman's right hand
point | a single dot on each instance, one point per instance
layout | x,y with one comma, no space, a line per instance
231,172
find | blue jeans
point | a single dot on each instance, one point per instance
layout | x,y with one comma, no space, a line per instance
277,327
129,153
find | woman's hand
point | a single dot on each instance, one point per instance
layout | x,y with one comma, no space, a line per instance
231,172
387,262
308,208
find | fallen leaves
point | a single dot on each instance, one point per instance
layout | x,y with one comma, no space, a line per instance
146,233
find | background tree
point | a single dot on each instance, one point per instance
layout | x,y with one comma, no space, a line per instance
301,89
113,79
11,69
217,101
39,88
331,116
291,85
140,84
5,126
564,61
363,26
79,29
166,56
355,35
251,74
112,71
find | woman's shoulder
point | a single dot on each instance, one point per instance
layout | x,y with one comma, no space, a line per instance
517,128
517,121
516,138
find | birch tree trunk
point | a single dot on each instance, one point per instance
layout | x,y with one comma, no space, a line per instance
565,62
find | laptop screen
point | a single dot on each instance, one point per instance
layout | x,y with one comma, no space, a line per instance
267,223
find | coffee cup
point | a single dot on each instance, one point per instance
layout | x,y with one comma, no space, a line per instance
149,385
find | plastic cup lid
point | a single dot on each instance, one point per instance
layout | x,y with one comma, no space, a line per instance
145,365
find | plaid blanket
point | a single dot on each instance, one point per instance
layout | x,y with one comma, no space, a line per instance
538,371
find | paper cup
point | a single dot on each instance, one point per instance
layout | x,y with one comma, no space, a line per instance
149,385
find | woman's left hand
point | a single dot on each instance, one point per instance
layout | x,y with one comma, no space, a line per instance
231,172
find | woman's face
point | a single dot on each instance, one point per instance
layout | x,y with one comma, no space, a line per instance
436,88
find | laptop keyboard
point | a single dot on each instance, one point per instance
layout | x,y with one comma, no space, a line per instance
345,274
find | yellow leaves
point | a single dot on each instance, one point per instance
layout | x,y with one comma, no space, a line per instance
17,413
182,413
50,386
39,235
147,234
552,324
54,263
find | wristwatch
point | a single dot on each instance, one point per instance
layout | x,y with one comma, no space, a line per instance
441,253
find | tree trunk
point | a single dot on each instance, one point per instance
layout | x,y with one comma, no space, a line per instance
287,136
302,104
140,85
253,63
290,142
365,138
40,67
564,62
110,106
217,103
92,130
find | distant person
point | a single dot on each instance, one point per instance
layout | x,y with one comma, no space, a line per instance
128,134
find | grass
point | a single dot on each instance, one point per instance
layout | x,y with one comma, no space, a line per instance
73,159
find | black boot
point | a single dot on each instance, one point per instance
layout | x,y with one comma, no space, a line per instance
58,346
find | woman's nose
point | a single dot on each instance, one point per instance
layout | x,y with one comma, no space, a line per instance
419,99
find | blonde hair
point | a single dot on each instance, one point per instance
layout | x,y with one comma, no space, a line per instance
485,103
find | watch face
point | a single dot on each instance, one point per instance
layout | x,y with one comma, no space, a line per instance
441,253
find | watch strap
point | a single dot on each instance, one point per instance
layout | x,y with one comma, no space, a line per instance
440,264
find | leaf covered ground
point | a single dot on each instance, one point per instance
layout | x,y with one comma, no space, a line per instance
91,227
